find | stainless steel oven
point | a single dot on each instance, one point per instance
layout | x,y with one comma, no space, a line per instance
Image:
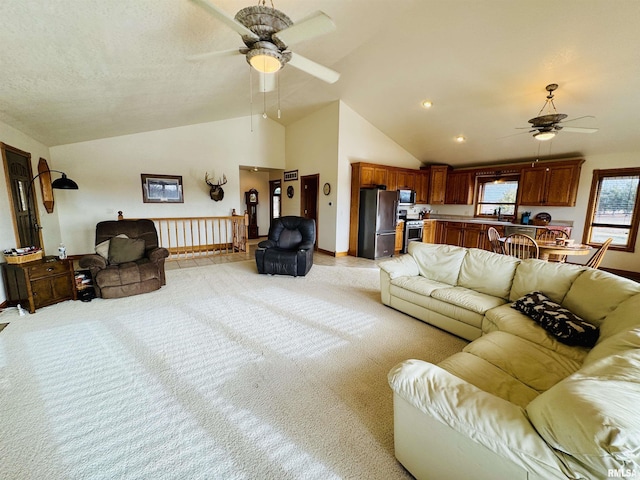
412,233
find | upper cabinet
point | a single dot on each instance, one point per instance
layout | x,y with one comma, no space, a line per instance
438,184
406,179
550,184
423,178
459,188
373,175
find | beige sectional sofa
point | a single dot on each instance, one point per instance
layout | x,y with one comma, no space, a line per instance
516,403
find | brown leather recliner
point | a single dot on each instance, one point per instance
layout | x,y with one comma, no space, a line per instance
134,268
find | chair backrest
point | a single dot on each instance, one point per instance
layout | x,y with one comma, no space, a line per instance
494,239
521,246
549,236
141,228
290,231
596,259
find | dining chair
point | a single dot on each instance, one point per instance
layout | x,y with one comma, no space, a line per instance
521,246
494,239
549,236
596,259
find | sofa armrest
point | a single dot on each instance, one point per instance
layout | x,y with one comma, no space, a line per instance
490,421
402,266
266,244
157,253
305,246
93,261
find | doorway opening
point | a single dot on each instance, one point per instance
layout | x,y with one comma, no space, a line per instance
310,184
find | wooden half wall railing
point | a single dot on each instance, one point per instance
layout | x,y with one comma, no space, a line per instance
192,237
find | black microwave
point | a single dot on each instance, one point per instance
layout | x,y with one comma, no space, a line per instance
406,197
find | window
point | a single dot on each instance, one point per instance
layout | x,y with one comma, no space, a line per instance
497,196
614,208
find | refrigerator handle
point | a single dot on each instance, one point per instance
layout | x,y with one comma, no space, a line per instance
395,218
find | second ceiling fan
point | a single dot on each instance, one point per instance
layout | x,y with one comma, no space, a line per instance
548,123
267,34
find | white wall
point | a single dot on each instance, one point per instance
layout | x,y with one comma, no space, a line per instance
312,148
49,221
108,172
577,215
360,141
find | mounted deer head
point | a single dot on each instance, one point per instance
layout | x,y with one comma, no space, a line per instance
216,193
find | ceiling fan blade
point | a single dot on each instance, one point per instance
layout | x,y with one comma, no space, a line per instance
220,53
313,68
579,129
225,18
318,23
577,118
266,82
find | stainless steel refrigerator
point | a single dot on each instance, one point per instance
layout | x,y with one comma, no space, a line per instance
377,223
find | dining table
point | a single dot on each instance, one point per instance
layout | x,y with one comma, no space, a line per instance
552,248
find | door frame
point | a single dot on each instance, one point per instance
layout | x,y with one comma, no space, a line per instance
32,199
305,180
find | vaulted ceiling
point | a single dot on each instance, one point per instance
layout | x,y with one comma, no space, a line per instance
75,70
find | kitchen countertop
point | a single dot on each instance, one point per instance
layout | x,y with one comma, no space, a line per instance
558,223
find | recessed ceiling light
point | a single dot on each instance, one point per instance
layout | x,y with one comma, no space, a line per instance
255,169
426,104
460,139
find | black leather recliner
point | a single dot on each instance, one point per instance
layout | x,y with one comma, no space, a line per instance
289,248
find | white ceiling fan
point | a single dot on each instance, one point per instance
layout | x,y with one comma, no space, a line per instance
267,33
548,123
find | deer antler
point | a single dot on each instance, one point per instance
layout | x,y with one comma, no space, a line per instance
220,181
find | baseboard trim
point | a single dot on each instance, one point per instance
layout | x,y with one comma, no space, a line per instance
333,254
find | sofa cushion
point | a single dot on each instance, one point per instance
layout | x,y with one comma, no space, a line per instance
624,317
506,319
596,293
489,378
614,345
531,364
418,284
551,278
124,250
468,299
591,415
438,262
557,320
476,264
432,304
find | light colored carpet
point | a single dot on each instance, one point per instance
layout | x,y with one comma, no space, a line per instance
221,374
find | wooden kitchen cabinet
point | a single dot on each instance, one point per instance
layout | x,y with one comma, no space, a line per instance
474,235
459,188
423,178
399,237
463,234
452,233
373,175
429,231
550,184
406,179
438,184
39,283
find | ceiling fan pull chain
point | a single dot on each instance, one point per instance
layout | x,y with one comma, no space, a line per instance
278,84
250,99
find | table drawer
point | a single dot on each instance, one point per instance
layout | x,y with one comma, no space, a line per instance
47,269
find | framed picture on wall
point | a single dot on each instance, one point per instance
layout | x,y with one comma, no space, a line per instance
161,188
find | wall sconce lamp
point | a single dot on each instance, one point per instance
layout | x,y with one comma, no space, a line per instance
62,183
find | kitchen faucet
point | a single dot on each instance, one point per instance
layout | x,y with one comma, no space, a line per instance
500,214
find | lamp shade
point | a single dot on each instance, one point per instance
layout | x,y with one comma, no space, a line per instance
64,183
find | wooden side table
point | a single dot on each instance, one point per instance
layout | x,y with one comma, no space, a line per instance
39,283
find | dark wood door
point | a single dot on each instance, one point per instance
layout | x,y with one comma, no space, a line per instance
310,185
17,166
